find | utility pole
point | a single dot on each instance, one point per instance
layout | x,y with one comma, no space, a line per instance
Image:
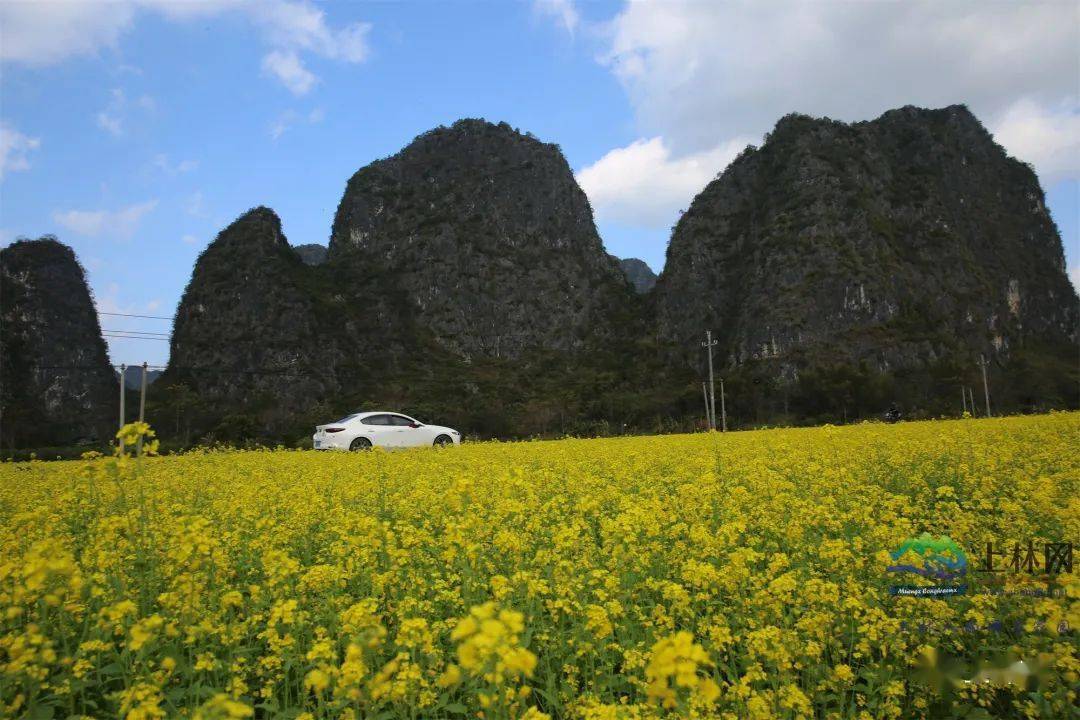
983,362
123,374
963,397
142,408
723,407
708,417
708,344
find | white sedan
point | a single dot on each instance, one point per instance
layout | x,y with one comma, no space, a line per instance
361,431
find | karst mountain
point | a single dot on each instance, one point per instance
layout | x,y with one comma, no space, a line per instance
842,267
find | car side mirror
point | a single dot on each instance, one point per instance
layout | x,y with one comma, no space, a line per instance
416,425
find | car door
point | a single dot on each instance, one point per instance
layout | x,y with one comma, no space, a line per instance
379,430
405,435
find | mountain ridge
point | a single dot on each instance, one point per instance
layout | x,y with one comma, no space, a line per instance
902,243
489,234
56,383
840,266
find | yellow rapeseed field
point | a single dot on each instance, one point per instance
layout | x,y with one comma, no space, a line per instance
733,576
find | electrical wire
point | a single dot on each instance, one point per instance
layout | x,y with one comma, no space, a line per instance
132,337
136,332
151,317
341,372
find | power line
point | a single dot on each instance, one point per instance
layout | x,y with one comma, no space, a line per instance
346,371
151,317
132,337
140,336
136,332
90,367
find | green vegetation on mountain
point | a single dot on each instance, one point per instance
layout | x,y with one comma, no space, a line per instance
842,268
56,385
465,284
639,274
846,266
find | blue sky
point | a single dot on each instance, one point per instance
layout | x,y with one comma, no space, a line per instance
136,130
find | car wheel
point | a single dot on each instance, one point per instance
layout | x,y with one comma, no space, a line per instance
360,443
443,441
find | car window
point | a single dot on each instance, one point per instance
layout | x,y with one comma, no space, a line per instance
376,420
346,419
400,421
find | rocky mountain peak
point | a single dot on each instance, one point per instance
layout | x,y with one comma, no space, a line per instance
311,253
903,243
57,386
245,325
489,234
640,275
258,230
840,267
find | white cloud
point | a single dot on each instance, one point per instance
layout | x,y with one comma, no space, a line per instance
118,224
186,10
189,239
302,26
162,162
1047,137
108,302
286,120
1074,275
195,205
280,126
110,124
111,304
642,184
112,118
147,103
699,73
293,27
45,33
15,149
563,12
287,67
352,43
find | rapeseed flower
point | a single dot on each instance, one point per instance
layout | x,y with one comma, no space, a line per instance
707,576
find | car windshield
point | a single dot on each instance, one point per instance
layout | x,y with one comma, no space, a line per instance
346,419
